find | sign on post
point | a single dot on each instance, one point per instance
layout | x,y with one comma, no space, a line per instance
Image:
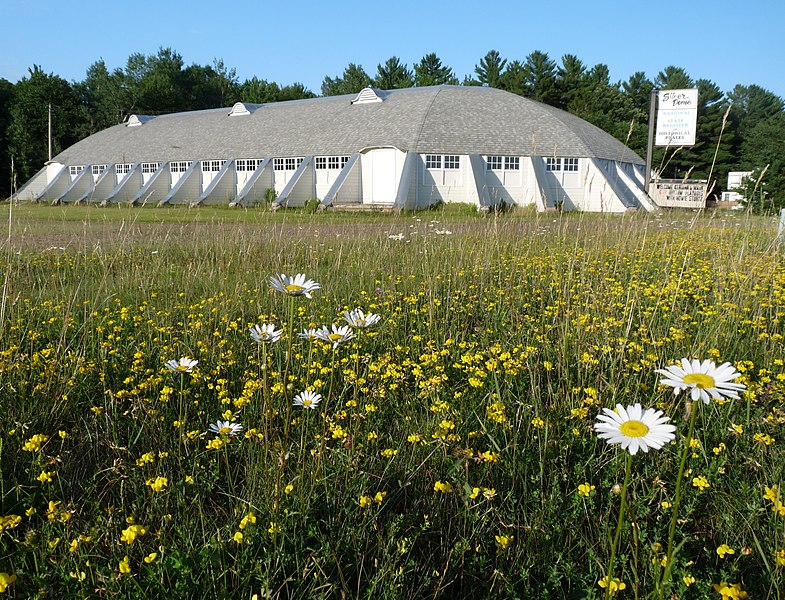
677,117
679,193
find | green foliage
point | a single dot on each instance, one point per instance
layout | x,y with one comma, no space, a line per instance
489,70
431,71
353,80
393,75
497,347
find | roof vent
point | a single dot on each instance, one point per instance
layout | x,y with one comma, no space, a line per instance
137,120
368,96
239,109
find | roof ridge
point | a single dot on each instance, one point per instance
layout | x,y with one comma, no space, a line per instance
425,118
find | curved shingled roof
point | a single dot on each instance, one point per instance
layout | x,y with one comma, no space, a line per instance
437,120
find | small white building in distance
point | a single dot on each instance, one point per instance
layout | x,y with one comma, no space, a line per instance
404,149
734,182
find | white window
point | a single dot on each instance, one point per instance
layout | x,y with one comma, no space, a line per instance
321,162
433,161
570,164
286,164
452,161
512,163
212,165
337,162
122,168
149,167
493,163
74,170
180,166
552,164
98,169
247,164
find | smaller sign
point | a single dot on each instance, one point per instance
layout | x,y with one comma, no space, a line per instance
677,117
679,193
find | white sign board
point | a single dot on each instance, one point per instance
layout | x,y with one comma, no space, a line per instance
679,193
677,117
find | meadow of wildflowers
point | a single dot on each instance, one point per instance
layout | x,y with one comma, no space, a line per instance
394,406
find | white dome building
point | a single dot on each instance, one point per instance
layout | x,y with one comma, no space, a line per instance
407,148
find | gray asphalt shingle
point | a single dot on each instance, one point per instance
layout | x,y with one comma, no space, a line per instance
439,120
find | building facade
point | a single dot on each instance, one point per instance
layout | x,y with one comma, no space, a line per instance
408,148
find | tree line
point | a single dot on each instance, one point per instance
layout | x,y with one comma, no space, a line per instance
738,130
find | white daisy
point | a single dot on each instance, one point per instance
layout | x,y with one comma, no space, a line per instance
634,428
308,334
294,286
225,428
357,318
265,333
184,365
307,399
704,379
337,336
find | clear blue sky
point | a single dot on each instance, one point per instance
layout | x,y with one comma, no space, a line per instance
287,41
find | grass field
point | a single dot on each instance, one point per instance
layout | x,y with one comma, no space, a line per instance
452,454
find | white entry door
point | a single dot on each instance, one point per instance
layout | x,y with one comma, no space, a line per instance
384,183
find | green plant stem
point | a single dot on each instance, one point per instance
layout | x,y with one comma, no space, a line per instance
677,500
619,525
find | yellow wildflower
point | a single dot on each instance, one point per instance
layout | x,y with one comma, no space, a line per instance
125,565
701,482
504,541
157,484
6,580
443,487
614,585
585,489
725,549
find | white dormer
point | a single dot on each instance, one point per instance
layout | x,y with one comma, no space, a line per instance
239,109
138,120
368,96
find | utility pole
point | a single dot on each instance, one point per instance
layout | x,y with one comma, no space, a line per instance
49,135
650,143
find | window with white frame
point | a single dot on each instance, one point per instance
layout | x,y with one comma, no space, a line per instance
247,164
493,163
321,162
122,168
179,166
570,164
452,162
433,161
74,170
512,163
287,164
149,167
98,169
337,162
212,166
552,164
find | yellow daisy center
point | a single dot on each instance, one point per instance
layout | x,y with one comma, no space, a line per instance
306,402
699,380
291,288
335,337
182,367
225,430
634,428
